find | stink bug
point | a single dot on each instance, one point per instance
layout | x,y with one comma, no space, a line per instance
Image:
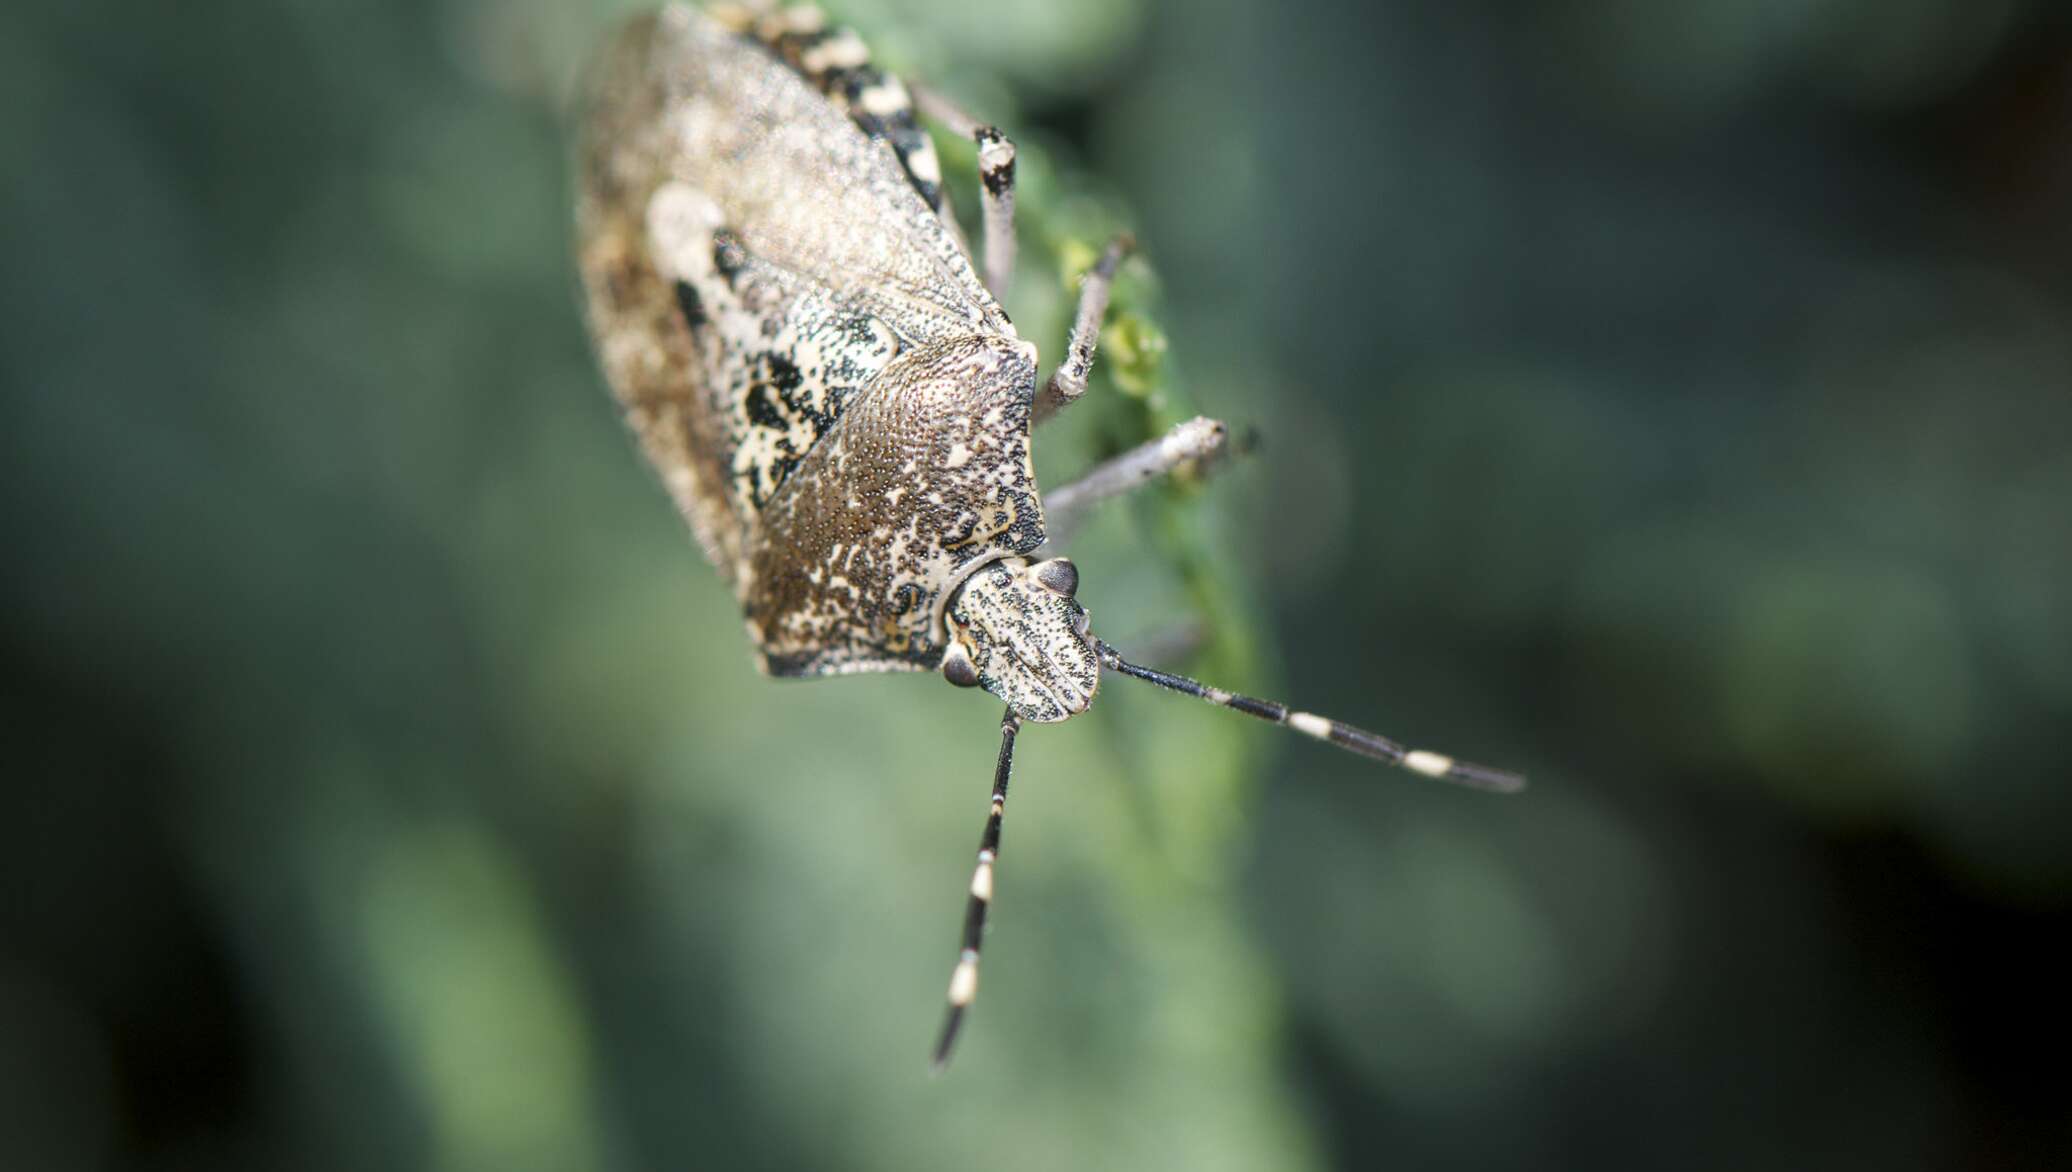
788,315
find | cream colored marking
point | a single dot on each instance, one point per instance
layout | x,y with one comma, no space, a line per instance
960,455
964,981
996,154
1427,763
1315,726
886,98
848,50
797,18
921,165
845,50
1219,696
680,223
807,354
982,883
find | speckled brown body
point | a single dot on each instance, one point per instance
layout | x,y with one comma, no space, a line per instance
834,401
838,406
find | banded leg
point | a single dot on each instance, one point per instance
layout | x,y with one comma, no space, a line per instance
996,184
1197,441
1345,736
996,206
964,978
1068,381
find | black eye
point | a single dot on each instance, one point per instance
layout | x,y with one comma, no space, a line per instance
958,668
1059,576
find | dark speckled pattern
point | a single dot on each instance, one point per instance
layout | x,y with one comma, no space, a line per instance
834,401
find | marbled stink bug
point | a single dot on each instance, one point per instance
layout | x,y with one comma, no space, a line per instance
788,315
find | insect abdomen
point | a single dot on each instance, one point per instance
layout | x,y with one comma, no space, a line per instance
836,62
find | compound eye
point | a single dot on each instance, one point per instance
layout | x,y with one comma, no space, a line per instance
1059,576
958,668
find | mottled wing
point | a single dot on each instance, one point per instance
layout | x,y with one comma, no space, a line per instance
835,61
823,222
755,255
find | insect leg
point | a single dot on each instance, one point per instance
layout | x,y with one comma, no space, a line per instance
964,978
1196,442
996,184
996,196
1068,381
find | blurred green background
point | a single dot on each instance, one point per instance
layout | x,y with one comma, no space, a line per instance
1672,401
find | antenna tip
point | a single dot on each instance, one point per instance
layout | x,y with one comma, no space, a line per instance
946,1043
1479,776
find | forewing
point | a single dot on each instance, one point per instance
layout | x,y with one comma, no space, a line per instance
751,259
803,188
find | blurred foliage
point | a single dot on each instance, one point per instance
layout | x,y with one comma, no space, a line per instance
1668,400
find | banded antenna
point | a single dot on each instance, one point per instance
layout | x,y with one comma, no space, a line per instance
1345,736
964,978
